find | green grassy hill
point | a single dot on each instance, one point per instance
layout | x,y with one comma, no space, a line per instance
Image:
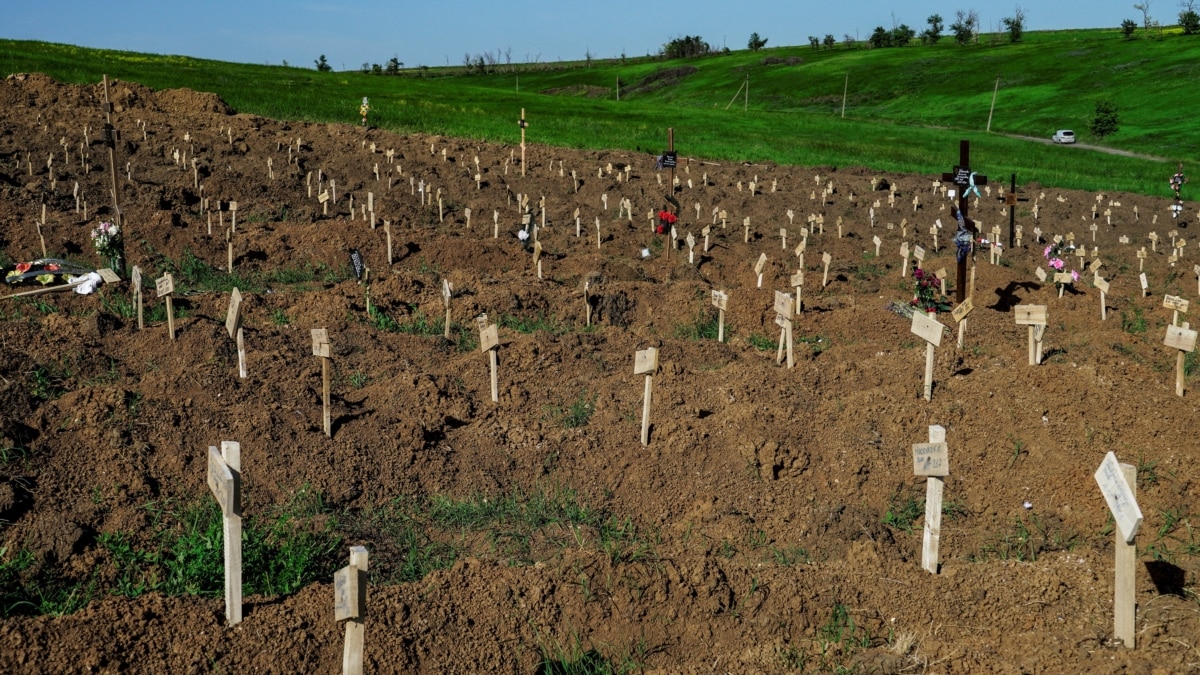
906,107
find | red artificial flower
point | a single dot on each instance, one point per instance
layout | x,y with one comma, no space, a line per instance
52,267
23,267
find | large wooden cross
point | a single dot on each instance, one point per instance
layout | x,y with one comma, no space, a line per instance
962,178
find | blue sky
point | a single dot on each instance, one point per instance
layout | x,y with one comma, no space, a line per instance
437,33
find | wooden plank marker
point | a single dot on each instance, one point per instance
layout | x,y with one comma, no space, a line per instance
320,346
928,329
587,303
165,287
645,362
136,276
759,266
783,317
1100,283
1118,484
1183,339
1034,316
960,316
489,341
826,258
446,293
720,300
233,326
932,460
350,605
225,482
1177,305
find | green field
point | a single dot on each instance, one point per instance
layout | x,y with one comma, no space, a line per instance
906,107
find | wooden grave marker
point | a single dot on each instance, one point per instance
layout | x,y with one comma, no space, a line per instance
720,300
350,605
1100,283
759,266
1145,284
1176,304
225,482
904,255
165,287
1183,339
826,258
489,342
783,318
1036,317
446,294
960,314
877,241
320,348
797,281
1118,484
932,460
136,276
928,329
233,326
965,179
646,363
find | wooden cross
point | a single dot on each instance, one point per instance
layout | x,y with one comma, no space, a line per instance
523,124
961,176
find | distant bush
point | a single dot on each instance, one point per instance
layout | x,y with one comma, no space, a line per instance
777,60
1107,120
1127,28
684,47
1190,21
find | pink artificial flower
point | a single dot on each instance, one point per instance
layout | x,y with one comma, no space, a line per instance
1074,275
1056,263
1046,253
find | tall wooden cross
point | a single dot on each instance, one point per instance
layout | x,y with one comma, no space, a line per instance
670,159
962,177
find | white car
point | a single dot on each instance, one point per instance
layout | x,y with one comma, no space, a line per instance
1063,136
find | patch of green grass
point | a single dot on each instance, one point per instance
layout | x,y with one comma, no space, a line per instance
358,379
903,512
284,549
415,324
280,317
1018,447
1133,322
406,544
1026,540
532,323
574,414
13,454
118,304
29,590
573,659
761,342
50,380
703,327
816,343
789,555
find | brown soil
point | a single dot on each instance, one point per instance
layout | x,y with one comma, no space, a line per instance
746,458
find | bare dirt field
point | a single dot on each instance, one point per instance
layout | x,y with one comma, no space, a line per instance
772,523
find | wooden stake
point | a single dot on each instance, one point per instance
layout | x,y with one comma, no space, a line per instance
927,328
1118,484
225,482
241,348
320,345
350,604
446,289
137,295
646,362
720,300
165,286
932,460
489,341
